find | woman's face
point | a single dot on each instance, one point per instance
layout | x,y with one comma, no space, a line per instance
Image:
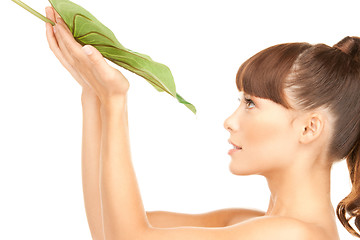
264,130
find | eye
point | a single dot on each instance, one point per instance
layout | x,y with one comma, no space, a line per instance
247,101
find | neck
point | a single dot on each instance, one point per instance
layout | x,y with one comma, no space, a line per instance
302,193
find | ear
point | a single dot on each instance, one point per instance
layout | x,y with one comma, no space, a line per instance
312,128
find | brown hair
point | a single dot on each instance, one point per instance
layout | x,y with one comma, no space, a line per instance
316,76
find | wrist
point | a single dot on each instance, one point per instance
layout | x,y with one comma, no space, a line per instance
89,96
113,105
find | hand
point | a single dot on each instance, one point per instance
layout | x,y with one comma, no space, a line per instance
90,71
53,44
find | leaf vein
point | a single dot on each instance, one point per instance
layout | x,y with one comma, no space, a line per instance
124,50
76,15
96,33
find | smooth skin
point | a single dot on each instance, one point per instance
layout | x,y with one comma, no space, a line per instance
114,208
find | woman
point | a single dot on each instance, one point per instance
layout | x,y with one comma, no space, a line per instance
300,114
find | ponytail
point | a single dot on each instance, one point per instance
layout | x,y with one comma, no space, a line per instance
351,204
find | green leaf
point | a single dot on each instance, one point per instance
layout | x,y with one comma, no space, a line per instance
86,29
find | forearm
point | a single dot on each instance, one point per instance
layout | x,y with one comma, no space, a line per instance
90,160
123,211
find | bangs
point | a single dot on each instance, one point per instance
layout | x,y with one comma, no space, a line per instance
264,74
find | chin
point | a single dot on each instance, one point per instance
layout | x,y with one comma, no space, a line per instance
242,170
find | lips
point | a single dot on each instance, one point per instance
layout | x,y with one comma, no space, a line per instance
234,144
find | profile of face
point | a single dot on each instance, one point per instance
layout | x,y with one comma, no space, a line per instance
298,114
266,132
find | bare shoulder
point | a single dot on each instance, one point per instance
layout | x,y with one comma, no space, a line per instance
238,215
275,227
265,227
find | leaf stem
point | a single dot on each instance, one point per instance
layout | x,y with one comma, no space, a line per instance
29,9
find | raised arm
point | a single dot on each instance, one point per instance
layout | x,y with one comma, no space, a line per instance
90,160
91,135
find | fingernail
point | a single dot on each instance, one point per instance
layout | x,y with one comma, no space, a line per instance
54,28
87,50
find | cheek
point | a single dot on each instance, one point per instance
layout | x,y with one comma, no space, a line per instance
266,146
264,135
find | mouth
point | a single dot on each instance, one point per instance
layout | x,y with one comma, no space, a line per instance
235,146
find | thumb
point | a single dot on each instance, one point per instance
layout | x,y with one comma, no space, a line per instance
94,55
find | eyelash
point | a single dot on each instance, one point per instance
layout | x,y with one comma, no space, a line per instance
247,101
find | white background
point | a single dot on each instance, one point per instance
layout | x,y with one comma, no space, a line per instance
180,159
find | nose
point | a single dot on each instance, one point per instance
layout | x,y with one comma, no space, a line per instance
227,124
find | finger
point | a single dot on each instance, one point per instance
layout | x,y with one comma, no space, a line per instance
97,68
59,50
55,17
49,30
61,21
50,35
71,45
53,44
66,46
52,41
67,42
101,69
55,48
97,59
56,14
50,13
71,50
